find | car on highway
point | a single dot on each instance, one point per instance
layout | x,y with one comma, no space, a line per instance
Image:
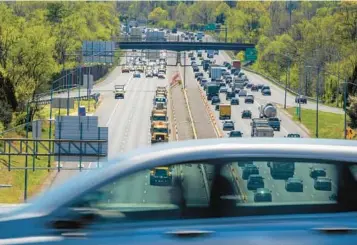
260,86
195,68
228,125
301,99
125,69
266,92
155,72
294,184
323,184
242,93
199,78
216,107
254,88
149,74
263,195
249,99
274,122
132,68
249,85
106,205
293,136
223,89
248,170
234,101
230,94
161,75
235,134
246,114
215,100
255,181
265,87
193,58
137,74
316,172
198,74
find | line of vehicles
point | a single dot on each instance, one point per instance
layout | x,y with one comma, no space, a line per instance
160,131
155,66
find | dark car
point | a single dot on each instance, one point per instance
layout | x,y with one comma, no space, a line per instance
234,101
293,136
263,195
195,69
216,107
230,95
294,184
249,99
254,88
247,114
197,74
235,134
228,125
301,99
255,181
249,85
215,100
248,170
266,92
317,172
260,86
323,184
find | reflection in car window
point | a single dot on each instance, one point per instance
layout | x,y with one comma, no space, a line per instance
238,183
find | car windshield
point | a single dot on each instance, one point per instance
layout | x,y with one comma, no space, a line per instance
160,130
159,118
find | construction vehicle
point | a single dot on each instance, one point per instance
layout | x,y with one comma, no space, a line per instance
160,101
267,111
261,128
119,91
282,170
161,176
159,115
159,132
161,91
224,111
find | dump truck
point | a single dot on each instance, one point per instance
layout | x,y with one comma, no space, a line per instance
224,111
158,115
119,91
212,90
161,176
261,128
159,132
161,91
267,111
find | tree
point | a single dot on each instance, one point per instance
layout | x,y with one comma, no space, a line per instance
158,14
352,111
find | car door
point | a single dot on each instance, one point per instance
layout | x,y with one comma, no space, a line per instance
208,202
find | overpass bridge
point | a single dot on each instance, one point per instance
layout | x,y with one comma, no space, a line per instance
180,46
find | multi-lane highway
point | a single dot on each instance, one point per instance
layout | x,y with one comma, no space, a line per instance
287,126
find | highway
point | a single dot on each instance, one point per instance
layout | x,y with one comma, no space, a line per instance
287,126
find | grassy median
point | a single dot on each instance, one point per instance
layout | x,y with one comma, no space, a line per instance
37,178
331,125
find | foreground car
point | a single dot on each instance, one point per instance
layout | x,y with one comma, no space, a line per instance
117,203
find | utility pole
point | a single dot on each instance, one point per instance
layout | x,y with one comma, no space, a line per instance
317,101
184,70
286,83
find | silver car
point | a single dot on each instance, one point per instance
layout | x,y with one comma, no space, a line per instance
206,201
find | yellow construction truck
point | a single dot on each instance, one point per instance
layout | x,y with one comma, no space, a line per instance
161,91
159,132
224,111
161,176
159,114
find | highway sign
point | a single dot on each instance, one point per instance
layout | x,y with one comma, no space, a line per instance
350,133
250,54
98,51
62,103
210,27
80,128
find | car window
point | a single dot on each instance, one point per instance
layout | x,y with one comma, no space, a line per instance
221,188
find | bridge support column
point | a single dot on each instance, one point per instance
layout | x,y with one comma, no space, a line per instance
178,58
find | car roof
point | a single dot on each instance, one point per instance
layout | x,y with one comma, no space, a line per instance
194,150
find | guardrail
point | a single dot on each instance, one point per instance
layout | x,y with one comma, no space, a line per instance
84,97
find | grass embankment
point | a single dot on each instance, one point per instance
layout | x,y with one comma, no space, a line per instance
36,179
331,125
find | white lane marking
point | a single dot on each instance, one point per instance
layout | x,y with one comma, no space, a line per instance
117,104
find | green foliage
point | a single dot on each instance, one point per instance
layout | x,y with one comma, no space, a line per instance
34,40
157,15
352,111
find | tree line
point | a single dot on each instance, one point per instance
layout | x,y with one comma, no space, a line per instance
34,40
315,41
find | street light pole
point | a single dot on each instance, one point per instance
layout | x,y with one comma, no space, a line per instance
345,109
317,101
286,84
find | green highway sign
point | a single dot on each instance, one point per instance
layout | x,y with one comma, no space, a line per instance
250,54
211,27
